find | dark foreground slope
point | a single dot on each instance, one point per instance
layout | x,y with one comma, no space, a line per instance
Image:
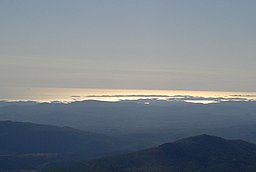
33,146
201,153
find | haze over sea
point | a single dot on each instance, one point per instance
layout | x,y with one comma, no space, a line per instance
79,94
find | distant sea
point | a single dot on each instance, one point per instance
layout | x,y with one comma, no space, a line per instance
80,94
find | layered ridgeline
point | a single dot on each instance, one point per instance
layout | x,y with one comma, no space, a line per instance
150,124
201,153
26,146
127,117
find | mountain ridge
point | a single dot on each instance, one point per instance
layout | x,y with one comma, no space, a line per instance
26,146
200,153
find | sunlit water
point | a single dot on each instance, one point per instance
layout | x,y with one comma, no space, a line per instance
71,94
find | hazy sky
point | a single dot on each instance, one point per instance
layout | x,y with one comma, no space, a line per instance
138,44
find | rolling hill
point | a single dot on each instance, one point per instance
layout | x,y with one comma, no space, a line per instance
34,146
200,153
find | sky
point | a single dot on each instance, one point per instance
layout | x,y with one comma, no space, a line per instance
194,45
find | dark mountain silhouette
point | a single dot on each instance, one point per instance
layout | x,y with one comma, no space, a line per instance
30,146
28,137
200,153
